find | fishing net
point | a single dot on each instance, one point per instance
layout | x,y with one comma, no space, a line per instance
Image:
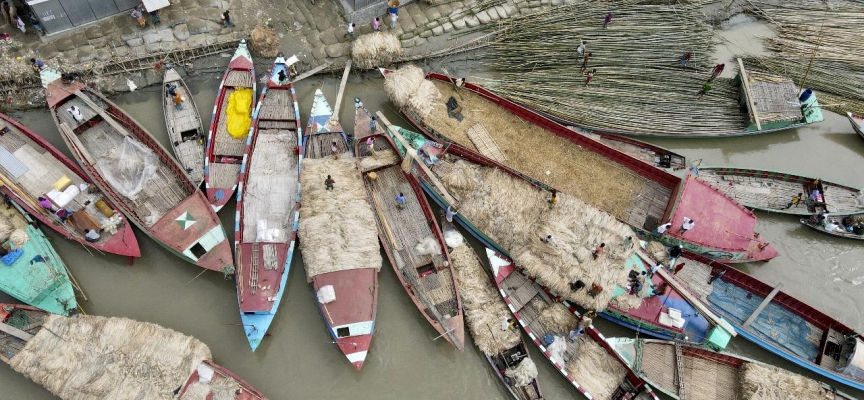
766,382
18,319
484,309
595,369
337,227
128,167
264,41
108,358
377,49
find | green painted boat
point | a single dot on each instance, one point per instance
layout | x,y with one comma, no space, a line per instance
37,276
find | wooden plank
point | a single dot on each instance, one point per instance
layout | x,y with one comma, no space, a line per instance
15,332
313,71
750,104
345,74
114,124
762,306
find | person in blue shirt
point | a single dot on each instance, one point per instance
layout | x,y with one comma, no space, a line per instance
400,201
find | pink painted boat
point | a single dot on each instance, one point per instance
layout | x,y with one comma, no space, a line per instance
209,380
34,168
224,152
265,230
138,175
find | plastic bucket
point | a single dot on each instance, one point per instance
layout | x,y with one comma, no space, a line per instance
805,95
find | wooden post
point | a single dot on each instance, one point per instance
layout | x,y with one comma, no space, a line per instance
762,306
747,93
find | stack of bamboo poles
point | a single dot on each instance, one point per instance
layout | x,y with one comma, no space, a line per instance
829,35
639,85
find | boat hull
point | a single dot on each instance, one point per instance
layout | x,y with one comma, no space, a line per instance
857,124
350,319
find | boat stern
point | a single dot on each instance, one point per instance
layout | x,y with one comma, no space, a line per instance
218,197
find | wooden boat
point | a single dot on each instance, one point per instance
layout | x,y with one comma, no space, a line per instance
683,371
224,151
427,278
503,348
50,350
34,168
139,176
857,123
726,229
839,232
648,153
185,129
529,302
32,271
773,191
777,321
672,315
265,231
345,266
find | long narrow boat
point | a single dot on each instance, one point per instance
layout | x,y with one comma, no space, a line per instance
229,126
778,322
185,129
139,176
839,232
489,321
91,356
32,271
339,237
682,371
33,168
657,156
265,231
588,362
595,173
857,124
773,191
411,237
672,314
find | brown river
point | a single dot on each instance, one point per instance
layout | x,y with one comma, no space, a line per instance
299,361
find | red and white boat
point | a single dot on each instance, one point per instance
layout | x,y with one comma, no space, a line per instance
268,196
34,168
209,381
226,139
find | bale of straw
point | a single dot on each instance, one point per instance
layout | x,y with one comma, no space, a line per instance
337,227
766,382
377,49
428,246
378,159
19,237
424,99
557,318
264,41
108,358
6,228
484,308
657,251
595,369
401,84
524,373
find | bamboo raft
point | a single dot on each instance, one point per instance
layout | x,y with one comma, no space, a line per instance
185,129
428,279
773,191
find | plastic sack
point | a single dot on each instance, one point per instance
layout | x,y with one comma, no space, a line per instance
453,238
13,255
129,167
428,246
239,113
326,294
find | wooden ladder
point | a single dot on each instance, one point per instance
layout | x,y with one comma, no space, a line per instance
253,283
679,363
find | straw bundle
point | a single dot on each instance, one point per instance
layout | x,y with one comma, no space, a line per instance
407,87
378,159
19,237
484,308
523,374
541,154
595,369
108,358
376,49
657,251
337,227
6,227
264,41
515,214
557,318
766,382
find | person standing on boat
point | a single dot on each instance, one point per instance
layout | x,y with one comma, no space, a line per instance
370,143
585,321
334,150
607,20
553,200
328,183
715,276
794,202
91,235
76,114
628,243
373,125
178,101
450,213
686,226
400,201
595,290
394,16
655,268
226,19
659,231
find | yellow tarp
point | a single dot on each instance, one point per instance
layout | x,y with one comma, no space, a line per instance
239,113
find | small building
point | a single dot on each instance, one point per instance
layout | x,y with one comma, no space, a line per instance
61,15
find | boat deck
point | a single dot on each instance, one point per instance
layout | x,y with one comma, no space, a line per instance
185,129
409,227
351,317
703,379
775,324
260,275
319,145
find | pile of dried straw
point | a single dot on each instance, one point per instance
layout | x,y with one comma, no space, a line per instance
516,215
264,41
19,237
658,252
484,308
377,159
557,318
408,87
524,373
377,49
595,369
766,382
6,228
109,358
337,227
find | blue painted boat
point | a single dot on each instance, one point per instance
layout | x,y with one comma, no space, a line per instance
777,321
32,271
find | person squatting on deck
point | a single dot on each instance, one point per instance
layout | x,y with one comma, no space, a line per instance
350,31
178,101
547,239
226,19
329,182
91,235
716,275
585,321
170,90
595,290
659,231
598,251
400,201
46,204
794,202
508,324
